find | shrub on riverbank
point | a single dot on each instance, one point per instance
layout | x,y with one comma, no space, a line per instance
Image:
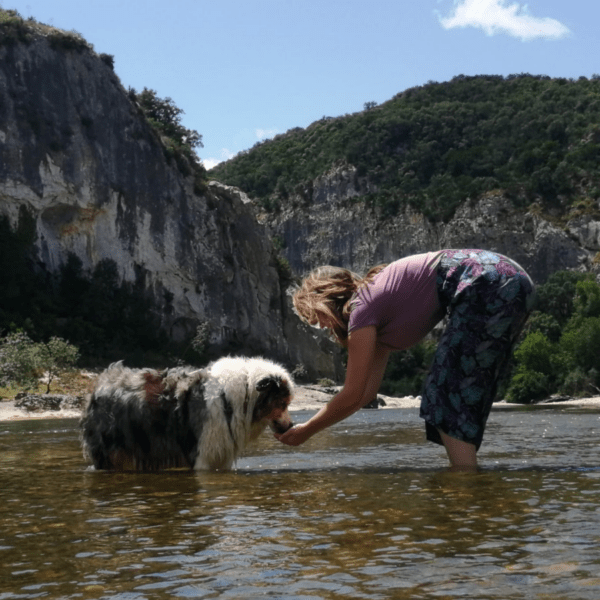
23,362
560,352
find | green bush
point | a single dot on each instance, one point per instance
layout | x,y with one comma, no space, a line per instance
581,343
63,40
406,370
536,361
527,387
165,117
13,29
537,354
557,296
587,299
546,324
16,360
561,351
54,357
22,361
579,383
108,59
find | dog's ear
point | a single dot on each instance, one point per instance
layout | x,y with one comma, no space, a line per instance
269,384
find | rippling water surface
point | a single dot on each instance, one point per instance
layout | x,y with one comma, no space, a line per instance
365,510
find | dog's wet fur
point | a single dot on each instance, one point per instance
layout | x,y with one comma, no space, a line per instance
147,420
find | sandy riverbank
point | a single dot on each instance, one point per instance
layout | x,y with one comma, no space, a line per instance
10,412
311,398
307,398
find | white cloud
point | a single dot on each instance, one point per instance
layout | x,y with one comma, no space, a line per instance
209,163
495,16
264,134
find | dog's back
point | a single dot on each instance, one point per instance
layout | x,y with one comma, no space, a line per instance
135,419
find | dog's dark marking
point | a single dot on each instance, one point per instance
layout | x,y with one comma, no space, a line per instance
228,412
187,436
153,387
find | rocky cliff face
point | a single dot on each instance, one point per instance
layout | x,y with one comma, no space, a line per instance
78,156
326,225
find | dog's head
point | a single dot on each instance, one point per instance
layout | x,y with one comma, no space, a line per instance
274,397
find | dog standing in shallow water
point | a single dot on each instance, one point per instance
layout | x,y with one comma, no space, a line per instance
142,419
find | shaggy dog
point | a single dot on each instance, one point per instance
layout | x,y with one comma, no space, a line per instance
142,419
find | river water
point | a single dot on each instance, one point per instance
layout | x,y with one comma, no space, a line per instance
365,510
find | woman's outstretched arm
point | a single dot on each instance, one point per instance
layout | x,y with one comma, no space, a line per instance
366,365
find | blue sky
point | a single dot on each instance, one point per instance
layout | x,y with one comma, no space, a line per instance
244,70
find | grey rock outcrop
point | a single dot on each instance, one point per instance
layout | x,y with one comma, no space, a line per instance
45,402
326,225
79,158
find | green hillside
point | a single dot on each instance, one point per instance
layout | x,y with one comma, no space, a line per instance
434,146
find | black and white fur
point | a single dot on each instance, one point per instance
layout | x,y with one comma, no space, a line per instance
143,419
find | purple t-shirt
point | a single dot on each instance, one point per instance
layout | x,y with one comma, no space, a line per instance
401,301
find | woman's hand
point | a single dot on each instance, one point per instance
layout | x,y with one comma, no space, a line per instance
366,365
294,436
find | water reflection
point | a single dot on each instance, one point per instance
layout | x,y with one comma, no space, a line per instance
363,511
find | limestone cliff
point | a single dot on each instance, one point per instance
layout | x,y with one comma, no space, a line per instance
77,154
324,223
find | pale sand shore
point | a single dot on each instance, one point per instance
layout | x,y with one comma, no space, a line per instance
307,398
10,412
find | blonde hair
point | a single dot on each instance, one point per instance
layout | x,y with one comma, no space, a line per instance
326,293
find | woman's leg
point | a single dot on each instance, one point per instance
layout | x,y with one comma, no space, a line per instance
489,298
462,455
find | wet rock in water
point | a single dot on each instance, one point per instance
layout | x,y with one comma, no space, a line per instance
376,403
43,402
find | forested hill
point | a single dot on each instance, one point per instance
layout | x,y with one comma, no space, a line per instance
434,146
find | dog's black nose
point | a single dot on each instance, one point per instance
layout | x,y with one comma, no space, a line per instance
279,427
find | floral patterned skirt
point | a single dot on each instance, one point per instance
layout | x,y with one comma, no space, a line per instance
487,298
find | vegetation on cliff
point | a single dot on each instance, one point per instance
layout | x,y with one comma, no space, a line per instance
14,29
435,146
178,141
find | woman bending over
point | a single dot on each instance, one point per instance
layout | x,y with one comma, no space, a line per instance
487,298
